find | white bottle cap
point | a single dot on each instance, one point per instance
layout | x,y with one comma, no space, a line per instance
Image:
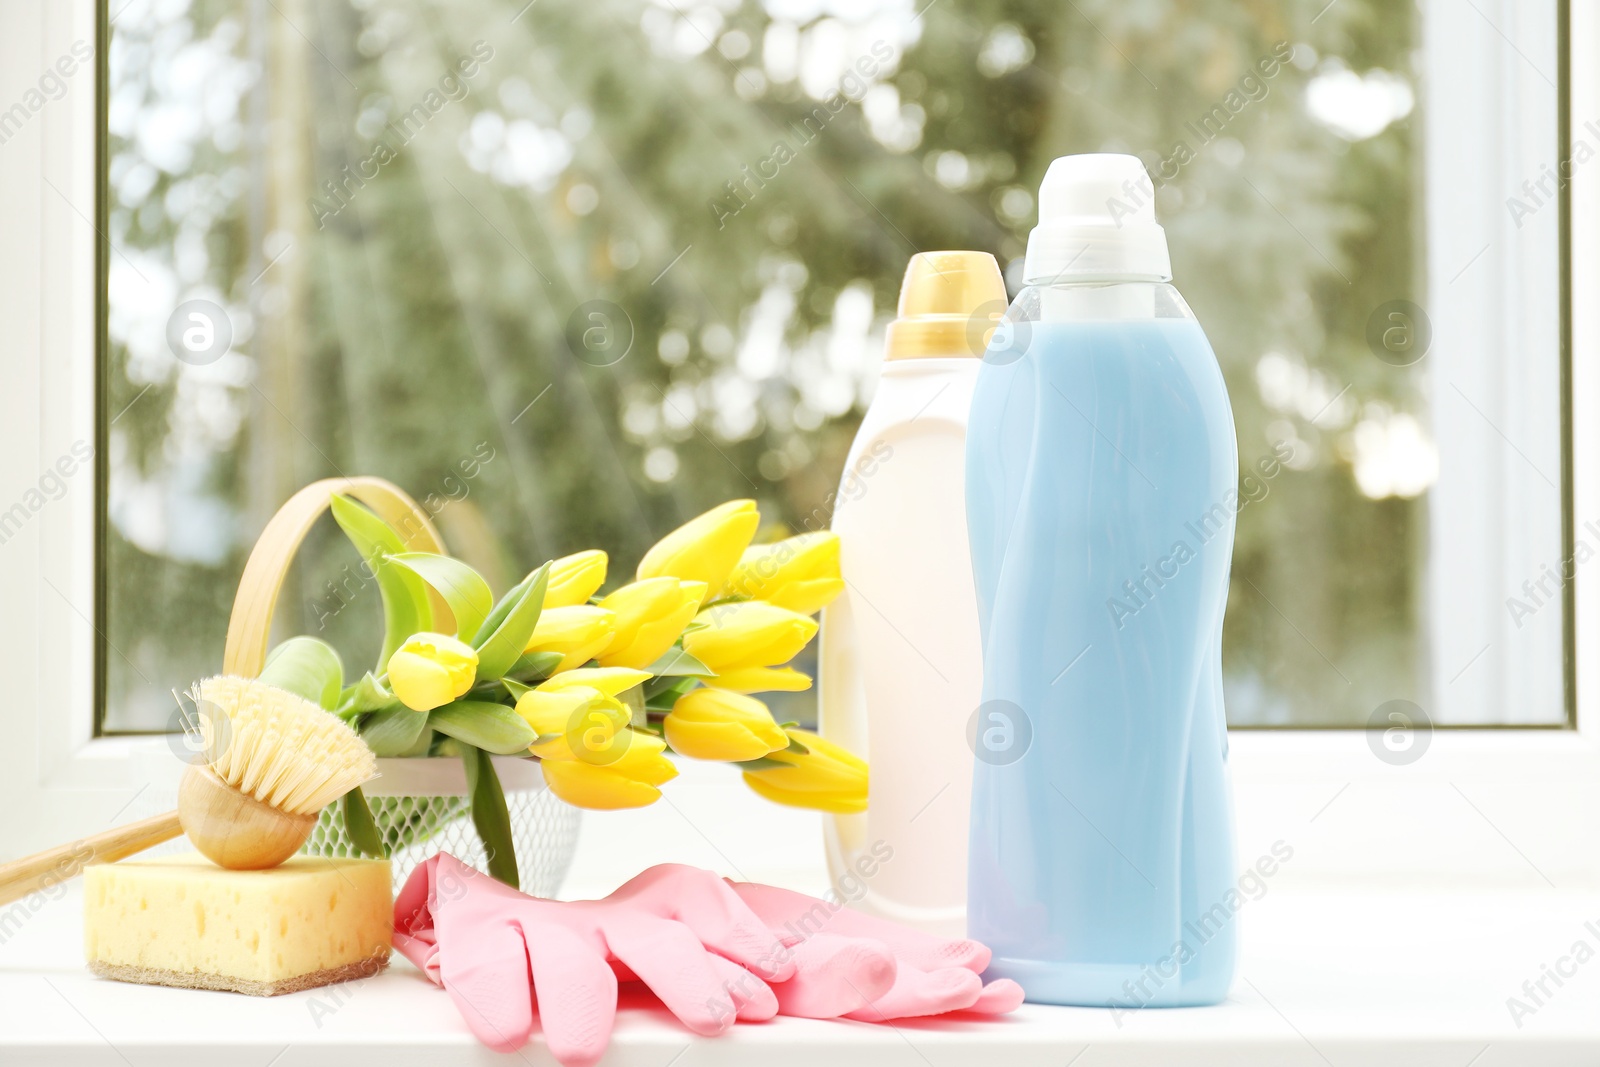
1097,222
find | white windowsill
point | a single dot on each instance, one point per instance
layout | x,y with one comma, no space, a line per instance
1325,979
1328,976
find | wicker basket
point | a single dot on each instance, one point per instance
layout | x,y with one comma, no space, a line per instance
420,805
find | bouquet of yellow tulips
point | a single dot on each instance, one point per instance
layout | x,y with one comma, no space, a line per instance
598,688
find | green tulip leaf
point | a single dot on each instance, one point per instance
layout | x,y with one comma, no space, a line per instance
369,694
669,688
515,688
405,596
359,825
393,731
534,667
666,699
307,666
500,650
462,587
760,763
676,663
490,816
422,747
502,608
483,724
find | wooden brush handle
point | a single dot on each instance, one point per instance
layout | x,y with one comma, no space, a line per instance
45,870
250,625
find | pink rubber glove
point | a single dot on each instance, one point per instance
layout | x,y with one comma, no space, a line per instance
681,931
832,948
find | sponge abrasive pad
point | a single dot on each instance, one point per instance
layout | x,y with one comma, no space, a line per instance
184,921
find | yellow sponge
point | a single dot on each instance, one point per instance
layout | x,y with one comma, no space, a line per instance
184,921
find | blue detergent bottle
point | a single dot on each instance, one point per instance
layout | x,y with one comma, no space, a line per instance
1102,475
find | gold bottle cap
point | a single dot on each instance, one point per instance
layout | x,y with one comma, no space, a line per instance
949,303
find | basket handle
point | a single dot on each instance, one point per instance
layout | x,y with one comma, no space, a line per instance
250,625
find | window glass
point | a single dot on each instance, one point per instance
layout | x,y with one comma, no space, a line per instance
571,273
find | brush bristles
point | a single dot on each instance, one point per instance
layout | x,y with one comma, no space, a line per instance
278,747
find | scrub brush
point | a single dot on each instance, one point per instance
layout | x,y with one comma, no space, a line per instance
269,761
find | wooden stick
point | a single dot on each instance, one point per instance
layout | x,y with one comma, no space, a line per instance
48,869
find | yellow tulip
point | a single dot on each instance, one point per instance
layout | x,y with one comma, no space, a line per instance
575,723
600,788
826,778
612,681
578,633
643,758
799,573
751,633
705,548
629,780
714,724
430,670
764,680
574,579
650,615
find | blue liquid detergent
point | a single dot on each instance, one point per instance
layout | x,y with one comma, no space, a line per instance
1101,479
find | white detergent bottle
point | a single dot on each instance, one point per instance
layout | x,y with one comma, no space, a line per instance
901,660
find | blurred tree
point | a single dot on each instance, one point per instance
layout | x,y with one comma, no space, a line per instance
641,254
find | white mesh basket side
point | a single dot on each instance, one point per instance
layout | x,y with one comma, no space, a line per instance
544,831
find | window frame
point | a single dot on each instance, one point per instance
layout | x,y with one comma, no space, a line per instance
1498,286
1514,805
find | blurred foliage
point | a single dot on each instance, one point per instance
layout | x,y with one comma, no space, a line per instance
431,317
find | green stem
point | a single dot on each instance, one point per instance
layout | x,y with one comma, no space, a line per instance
490,815
359,825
